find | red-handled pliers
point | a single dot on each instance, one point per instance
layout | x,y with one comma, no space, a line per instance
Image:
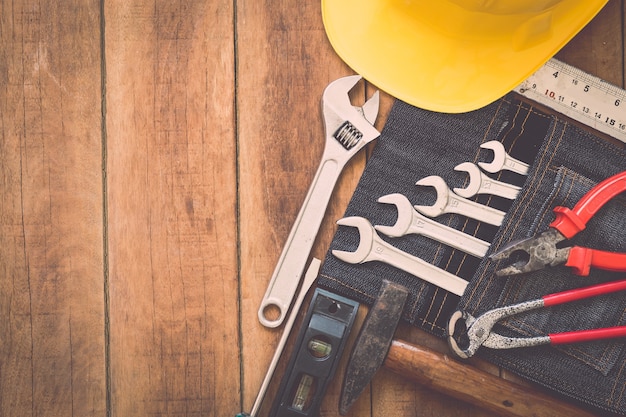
478,330
541,250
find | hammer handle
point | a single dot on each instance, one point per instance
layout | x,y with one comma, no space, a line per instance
472,385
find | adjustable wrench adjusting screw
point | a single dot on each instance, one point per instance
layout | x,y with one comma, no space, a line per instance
348,135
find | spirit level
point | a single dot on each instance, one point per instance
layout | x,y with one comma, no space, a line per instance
316,355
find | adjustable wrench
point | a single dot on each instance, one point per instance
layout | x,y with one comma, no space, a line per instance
373,248
409,221
348,129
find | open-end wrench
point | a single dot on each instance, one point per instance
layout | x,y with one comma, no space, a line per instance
348,129
502,160
480,183
373,248
448,202
410,221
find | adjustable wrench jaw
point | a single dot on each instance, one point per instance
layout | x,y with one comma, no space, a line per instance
347,125
532,254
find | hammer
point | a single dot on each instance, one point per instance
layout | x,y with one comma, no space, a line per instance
375,347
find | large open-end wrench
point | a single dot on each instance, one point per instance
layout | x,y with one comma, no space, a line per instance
480,183
448,202
502,160
373,248
348,129
409,221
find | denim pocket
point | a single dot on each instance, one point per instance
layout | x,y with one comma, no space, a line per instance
565,163
568,164
605,231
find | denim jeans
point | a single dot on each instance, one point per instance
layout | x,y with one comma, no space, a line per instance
565,162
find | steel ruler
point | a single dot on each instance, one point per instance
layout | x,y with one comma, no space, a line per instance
580,96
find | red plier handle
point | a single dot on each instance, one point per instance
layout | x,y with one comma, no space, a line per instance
542,249
582,259
579,294
570,222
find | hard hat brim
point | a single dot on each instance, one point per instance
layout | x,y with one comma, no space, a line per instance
448,61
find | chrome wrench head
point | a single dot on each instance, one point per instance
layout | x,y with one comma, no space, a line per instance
349,124
501,160
373,248
499,155
366,241
475,179
405,215
448,202
479,183
443,196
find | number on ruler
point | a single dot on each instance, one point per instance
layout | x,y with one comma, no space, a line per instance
579,95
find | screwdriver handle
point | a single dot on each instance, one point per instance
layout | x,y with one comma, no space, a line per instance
464,382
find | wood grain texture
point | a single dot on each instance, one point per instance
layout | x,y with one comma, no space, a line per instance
52,359
153,157
284,64
447,375
171,199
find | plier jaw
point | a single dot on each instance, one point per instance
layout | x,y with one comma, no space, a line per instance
466,333
532,254
541,251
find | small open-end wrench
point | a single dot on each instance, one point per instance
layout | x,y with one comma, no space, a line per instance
409,221
348,130
448,202
502,160
373,248
480,183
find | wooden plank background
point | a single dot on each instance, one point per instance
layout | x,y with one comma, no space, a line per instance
153,156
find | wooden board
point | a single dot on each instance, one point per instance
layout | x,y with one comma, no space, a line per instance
153,157
171,208
52,314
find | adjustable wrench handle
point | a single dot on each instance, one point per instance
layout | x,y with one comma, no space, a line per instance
286,276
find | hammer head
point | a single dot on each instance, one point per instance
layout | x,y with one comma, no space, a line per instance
372,344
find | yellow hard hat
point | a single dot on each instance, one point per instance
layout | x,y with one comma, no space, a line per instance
451,56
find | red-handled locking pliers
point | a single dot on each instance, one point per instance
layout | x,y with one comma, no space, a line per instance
478,330
541,250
